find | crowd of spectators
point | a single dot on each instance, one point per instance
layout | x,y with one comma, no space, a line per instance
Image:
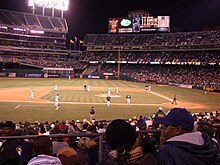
199,57
121,143
208,76
181,40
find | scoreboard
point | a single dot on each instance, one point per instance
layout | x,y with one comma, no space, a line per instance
139,24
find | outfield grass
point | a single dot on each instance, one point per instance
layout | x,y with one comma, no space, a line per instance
75,103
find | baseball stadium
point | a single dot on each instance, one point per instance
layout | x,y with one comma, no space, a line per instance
144,92
33,54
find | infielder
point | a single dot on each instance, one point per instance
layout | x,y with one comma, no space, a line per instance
88,88
32,93
174,100
128,99
108,99
55,88
117,90
56,104
109,91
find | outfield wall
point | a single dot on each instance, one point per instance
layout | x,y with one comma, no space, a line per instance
39,73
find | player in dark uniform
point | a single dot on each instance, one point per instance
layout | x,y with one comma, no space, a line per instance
92,113
108,99
85,86
174,100
147,88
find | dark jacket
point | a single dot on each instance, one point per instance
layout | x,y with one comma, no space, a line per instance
188,149
147,159
10,152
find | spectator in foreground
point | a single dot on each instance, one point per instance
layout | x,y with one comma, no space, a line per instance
10,149
42,147
67,155
179,145
208,128
27,147
122,139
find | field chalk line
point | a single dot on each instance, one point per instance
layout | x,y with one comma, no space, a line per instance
17,106
154,93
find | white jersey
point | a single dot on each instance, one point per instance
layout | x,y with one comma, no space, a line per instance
109,91
55,88
89,88
32,93
56,98
117,90
56,104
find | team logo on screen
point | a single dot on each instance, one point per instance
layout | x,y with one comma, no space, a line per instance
125,22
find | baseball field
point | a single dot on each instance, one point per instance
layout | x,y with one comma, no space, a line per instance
75,102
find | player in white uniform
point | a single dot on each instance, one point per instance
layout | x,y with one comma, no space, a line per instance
109,91
88,87
32,93
128,99
117,90
56,104
55,88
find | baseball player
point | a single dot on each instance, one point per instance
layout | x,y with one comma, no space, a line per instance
55,88
92,113
147,88
88,87
128,99
117,90
174,100
56,104
32,93
85,87
108,99
109,91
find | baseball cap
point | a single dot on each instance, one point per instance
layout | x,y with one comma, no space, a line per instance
177,117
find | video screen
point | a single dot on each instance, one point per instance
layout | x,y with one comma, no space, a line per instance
125,25
113,25
139,24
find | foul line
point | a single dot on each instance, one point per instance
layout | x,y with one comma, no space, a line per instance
154,93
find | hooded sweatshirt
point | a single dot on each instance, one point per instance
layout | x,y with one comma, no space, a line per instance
188,149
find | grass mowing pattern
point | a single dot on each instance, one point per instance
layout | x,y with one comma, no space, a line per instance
27,111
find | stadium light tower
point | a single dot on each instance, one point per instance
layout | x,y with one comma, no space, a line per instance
52,4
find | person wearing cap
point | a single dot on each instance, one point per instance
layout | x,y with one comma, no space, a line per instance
108,99
125,149
92,113
159,113
56,104
32,93
179,144
10,149
128,99
174,100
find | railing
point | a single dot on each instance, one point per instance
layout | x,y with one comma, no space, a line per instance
100,135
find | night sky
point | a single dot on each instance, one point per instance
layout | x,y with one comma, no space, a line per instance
91,16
